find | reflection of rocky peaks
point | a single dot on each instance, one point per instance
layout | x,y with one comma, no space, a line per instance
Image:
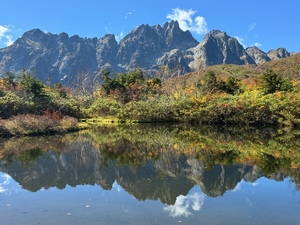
77,166
222,178
164,180
170,175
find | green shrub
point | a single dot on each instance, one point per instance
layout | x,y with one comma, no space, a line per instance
273,82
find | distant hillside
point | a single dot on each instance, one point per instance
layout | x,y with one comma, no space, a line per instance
62,58
287,67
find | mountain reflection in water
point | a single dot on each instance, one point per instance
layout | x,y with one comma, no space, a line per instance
153,163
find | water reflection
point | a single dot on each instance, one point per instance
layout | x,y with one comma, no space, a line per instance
184,205
155,163
4,182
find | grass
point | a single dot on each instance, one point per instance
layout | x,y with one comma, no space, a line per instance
28,125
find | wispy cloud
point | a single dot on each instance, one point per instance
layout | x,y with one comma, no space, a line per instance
186,22
251,26
257,44
237,188
3,31
4,183
5,37
241,41
128,14
120,36
106,28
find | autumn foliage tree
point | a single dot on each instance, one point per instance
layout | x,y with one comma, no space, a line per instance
128,86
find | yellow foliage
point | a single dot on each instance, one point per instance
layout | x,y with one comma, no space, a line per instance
176,95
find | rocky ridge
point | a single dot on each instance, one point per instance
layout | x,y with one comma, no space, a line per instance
62,58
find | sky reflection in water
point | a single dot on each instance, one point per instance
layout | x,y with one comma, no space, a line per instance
267,202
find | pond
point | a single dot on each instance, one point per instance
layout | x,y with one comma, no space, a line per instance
152,175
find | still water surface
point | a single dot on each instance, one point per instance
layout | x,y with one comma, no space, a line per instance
160,175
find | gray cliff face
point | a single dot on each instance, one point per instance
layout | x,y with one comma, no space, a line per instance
218,48
257,55
106,50
62,58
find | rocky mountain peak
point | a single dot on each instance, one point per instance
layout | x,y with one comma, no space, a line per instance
106,50
278,54
31,37
145,45
219,48
216,34
34,33
257,55
177,38
149,47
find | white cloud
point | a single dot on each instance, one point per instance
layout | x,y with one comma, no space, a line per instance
254,184
117,186
128,14
257,44
4,183
3,30
184,205
120,36
5,38
186,22
251,26
237,188
241,41
2,189
9,40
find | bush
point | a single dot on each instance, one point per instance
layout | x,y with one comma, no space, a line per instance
104,106
11,104
40,124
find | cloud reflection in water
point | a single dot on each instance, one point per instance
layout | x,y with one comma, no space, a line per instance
4,181
184,205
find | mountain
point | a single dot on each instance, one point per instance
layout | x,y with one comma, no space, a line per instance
218,48
62,58
58,56
151,47
278,54
258,55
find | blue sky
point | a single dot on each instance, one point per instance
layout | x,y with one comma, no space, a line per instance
266,24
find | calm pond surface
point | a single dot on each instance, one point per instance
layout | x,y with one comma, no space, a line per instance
152,175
